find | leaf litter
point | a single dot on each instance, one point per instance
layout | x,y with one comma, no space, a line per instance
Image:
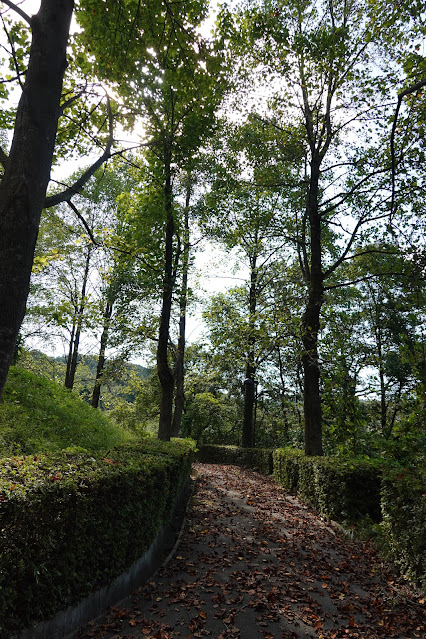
256,563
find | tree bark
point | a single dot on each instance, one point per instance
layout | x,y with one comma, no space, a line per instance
180,354
311,323
165,374
96,394
247,436
27,173
75,343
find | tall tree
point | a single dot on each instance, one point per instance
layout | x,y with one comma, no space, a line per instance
27,166
319,59
175,93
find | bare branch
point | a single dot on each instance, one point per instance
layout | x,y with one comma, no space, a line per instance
68,193
19,11
12,48
366,278
83,221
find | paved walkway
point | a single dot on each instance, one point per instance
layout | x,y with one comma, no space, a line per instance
254,563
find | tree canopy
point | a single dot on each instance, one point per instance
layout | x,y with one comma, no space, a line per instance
291,139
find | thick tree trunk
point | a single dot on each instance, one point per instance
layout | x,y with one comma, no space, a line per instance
101,358
27,172
163,369
180,355
75,343
311,324
247,436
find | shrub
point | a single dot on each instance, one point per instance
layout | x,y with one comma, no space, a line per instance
71,522
404,523
344,490
286,467
259,459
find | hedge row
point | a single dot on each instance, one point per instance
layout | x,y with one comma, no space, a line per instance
348,491
404,523
259,459
71,522
342,490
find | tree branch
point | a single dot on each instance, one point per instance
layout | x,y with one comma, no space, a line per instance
68,193
19,11
366,278
3,157
83,221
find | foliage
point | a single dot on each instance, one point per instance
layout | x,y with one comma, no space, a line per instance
403,499
115,501
211,418
342,489
259,459
37,415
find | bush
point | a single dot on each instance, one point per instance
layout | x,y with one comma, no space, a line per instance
70,522
404,523
259,459
286,467
343,490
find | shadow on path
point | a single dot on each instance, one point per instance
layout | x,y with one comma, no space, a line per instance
254,563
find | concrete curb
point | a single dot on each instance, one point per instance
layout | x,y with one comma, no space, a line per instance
67,622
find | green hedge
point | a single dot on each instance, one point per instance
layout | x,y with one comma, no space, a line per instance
259,459
404,523
343,490
71,522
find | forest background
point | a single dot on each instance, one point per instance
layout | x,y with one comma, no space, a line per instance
292,139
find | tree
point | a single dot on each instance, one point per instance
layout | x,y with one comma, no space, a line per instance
27,166
320,56
26,169
175,94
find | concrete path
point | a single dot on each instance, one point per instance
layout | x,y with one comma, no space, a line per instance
255,563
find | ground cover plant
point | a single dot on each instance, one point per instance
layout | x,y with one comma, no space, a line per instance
37,415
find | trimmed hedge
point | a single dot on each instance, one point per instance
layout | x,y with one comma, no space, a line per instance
404,523
71,522
343,490
350,490
259,459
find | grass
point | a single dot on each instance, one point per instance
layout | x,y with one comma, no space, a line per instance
37,415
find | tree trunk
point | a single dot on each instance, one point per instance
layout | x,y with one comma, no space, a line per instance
75,343
311,324
180,355
27,173
247,436
101,358
283,402
163,369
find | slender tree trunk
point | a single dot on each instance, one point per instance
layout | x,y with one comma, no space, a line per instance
101,358
311,324
247,437
27,170
163,369
383,403
282,398
73,356
180,355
